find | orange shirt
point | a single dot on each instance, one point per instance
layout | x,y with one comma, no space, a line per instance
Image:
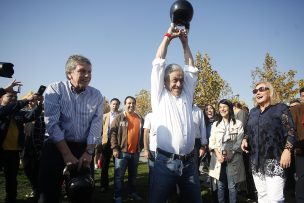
133,132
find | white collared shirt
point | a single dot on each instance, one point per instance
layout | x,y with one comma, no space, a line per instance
199,124
174,122
150,124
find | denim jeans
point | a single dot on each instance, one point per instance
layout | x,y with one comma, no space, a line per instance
167,173
151,164
224,182
121,163
151,161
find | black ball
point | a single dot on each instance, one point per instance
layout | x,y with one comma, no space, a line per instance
181,13
79,185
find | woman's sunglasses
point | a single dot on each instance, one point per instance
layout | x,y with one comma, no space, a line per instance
261,89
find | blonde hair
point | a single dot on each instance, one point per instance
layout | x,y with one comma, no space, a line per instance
273,95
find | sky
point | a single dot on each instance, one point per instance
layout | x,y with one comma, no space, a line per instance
121,38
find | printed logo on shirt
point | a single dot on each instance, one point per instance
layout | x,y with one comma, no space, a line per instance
123,123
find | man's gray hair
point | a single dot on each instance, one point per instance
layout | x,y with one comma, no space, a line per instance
72,63
171,68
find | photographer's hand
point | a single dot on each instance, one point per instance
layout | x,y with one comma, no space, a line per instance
10,87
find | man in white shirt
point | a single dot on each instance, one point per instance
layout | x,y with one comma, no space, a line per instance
172,90
150,142
200,133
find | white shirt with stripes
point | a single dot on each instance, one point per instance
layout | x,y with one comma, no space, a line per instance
71,116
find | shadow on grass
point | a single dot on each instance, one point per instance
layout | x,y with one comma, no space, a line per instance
142,188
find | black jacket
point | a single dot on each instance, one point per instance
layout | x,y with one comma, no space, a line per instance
21,116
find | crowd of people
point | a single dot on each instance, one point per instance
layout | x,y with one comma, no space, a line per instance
66,130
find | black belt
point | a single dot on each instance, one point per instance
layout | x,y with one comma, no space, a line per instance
176,156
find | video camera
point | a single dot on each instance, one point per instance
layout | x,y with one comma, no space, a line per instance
6,69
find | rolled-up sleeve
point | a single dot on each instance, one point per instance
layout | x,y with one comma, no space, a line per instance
157,81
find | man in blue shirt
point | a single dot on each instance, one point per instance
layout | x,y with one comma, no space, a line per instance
73,118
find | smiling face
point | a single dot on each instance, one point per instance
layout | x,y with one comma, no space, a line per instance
130,105
262,96
224,110
80,77
175,82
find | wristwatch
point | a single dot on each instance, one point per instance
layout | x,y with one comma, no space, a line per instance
90,151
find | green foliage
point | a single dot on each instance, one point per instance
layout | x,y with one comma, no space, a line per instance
143,102
210,86
285,85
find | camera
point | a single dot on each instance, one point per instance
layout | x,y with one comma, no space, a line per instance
6,69
17,89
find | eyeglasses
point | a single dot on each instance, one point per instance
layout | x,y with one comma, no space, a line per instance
261,89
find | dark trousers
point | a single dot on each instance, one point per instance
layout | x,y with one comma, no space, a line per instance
290,177
197,147
51,170
106,152
31,170
10,160
251,190
31,162
300,178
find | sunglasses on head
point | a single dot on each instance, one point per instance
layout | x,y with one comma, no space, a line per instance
261,89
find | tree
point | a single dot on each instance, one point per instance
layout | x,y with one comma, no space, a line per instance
283,83
143,102
106,105
210,86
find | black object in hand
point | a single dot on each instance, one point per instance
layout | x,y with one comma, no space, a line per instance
41,90
6,70
181,13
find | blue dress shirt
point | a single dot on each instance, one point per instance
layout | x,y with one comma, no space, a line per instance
71,116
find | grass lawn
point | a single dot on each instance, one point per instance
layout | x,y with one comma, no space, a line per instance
142,188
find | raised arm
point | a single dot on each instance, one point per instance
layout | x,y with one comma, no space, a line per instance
187,52
172,33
